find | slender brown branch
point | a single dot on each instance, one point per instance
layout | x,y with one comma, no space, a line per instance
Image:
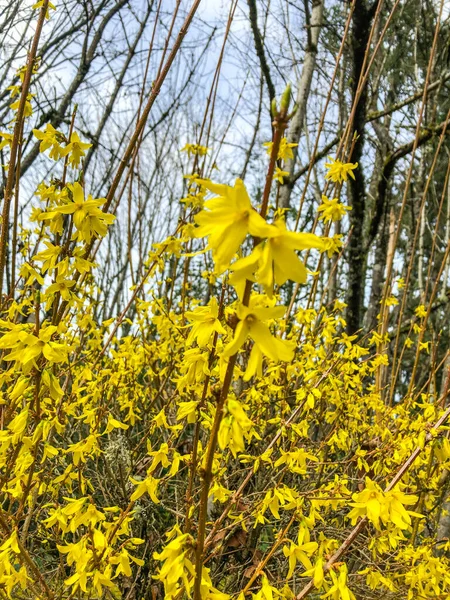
279,123
18,127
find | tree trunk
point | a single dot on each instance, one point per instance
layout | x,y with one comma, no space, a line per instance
304,87
361,25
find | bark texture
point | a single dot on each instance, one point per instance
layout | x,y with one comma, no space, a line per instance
304,87
361,26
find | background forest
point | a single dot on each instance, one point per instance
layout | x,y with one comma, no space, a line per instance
225,299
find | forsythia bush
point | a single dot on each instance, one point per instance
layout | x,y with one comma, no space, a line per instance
230,447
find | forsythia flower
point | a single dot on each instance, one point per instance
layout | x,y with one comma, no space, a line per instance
61,285
26,347
176,565
40,5
275,260
421,311
296,460
87,216
390,301
49,257
187,409
7,139
205,323
252,324
266,592
195,149
49,138
300,552
280,174
208,591
333,244
28,110
76,148
385,506
148,485
195,366
339,171
227,219
233,427
284,151
332,210
339,589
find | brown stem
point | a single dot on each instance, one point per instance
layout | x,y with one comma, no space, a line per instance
15,220
280,123
208,475
16,141
193,469
265,560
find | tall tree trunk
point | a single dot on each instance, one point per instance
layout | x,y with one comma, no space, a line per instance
304,86
361,25
379,266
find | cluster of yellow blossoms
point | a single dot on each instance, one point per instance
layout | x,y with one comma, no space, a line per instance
106,440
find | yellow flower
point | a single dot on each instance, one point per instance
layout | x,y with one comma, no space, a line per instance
14,90
275,260
148,485
61,285
295,460
18,426
26,347
28,110
205,323
424,346
176,565
194,200
48,257
421,311
252,324
208,591
227,219
195,365
300,552
394,502
332,210
368,503
30,274
280,174
50,138
385,506
87,216
391,301
7,139
333,244
234,427
284,151
195,149
339,171
12,543
266,592
339,589
76,148
187,409
40,5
